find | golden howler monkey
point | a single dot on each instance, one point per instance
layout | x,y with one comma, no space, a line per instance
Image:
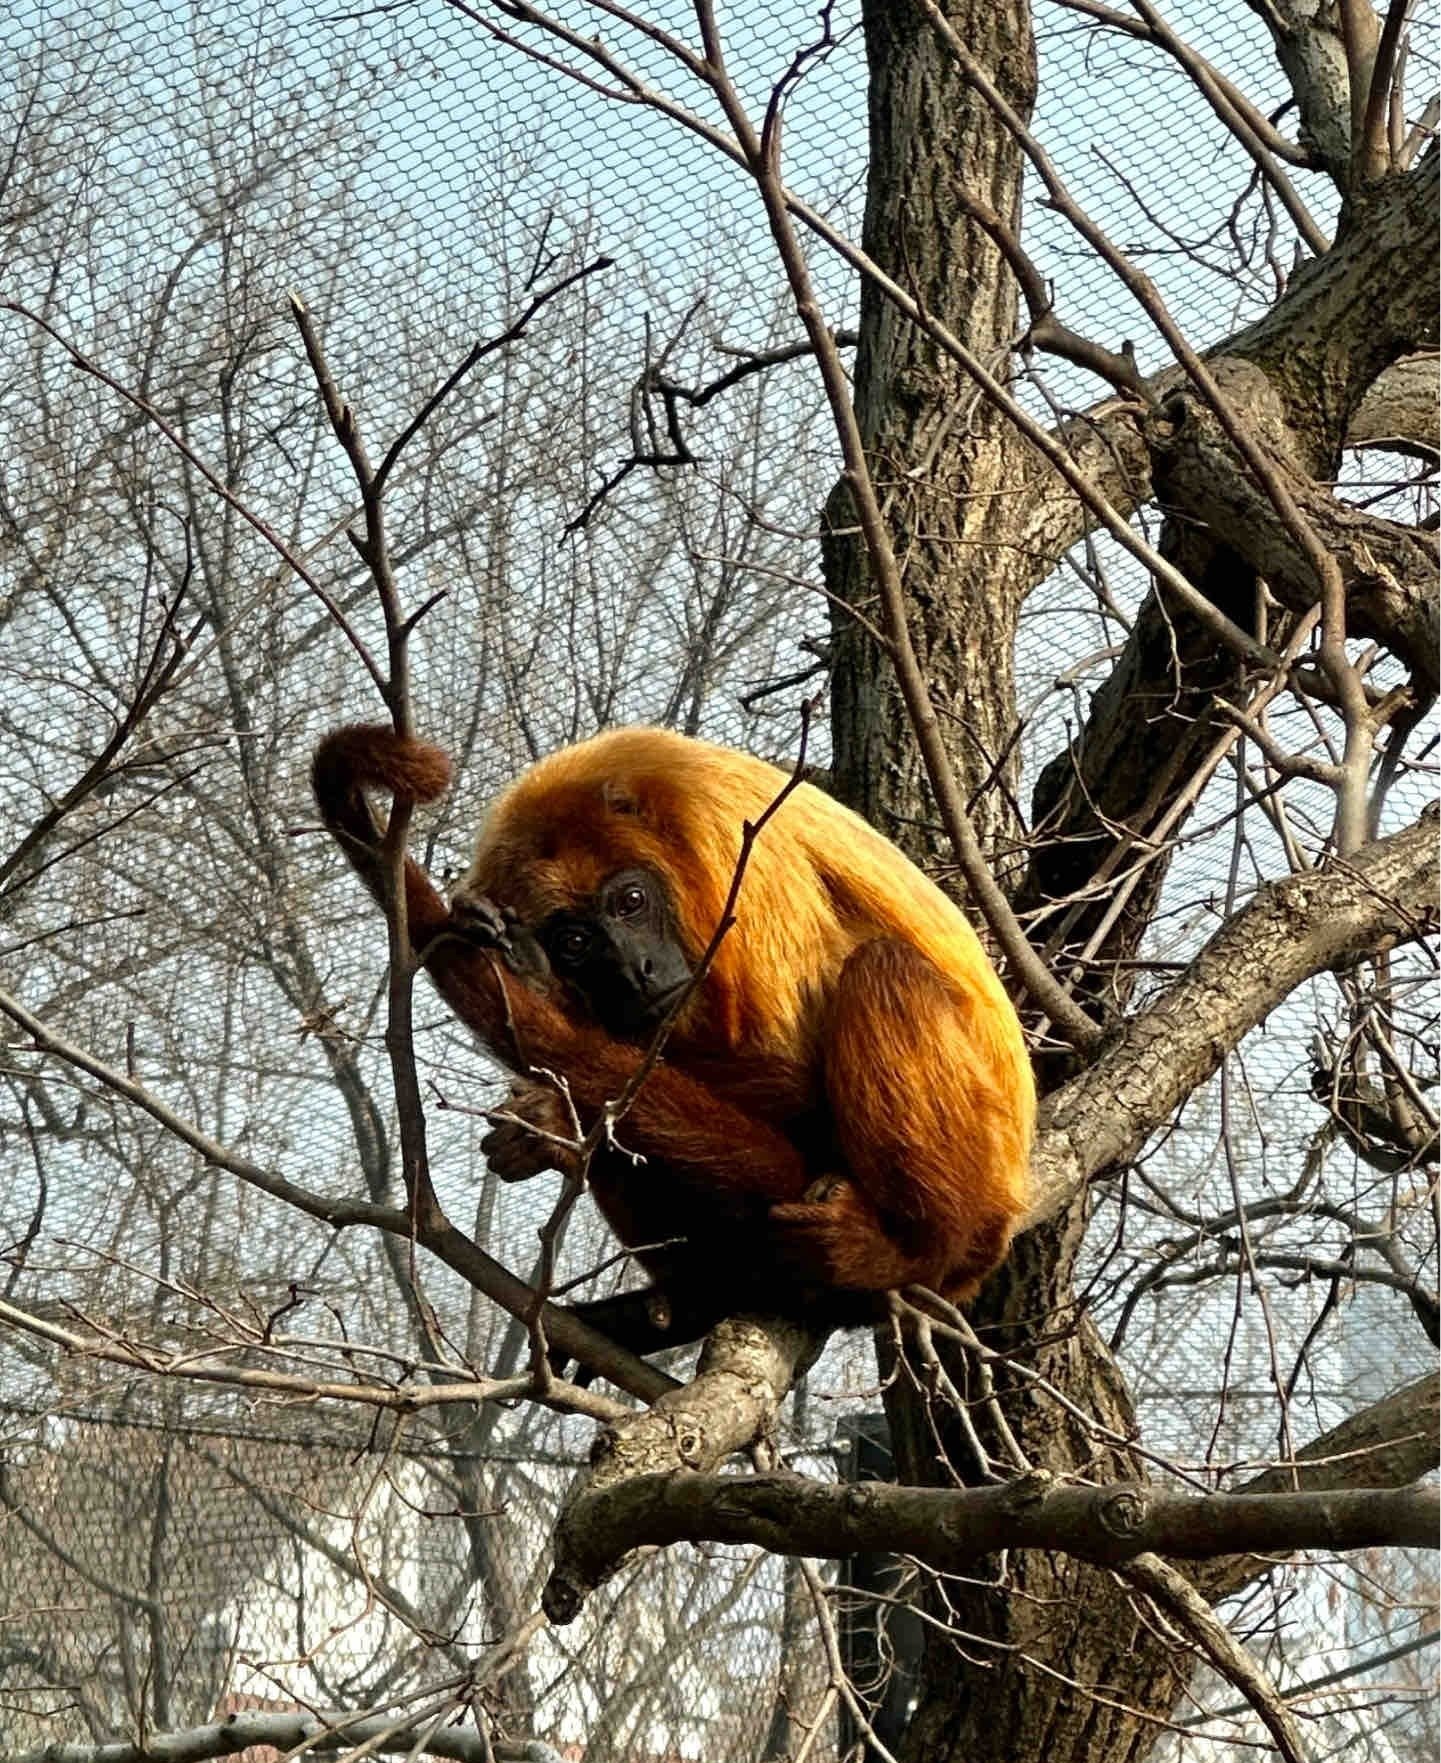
845,1102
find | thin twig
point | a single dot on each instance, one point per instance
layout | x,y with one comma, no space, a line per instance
1174,1595
267,532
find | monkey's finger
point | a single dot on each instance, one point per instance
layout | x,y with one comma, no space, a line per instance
515,1154
481,919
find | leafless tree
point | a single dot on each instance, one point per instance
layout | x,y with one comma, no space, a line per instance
1180,586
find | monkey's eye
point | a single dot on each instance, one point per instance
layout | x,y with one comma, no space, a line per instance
630,901
571,944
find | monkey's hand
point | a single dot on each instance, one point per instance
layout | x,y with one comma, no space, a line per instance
829,1237
641,1322
479,920
530,1132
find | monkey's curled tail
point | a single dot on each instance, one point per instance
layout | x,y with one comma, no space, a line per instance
371,756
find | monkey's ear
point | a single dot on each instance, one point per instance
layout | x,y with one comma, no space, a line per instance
619,798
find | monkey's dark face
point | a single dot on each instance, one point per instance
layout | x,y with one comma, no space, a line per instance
620,952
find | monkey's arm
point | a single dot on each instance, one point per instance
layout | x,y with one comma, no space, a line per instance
699,1140
932,1108
710,1145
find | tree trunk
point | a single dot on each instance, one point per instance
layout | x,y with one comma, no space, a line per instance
937,453
941,460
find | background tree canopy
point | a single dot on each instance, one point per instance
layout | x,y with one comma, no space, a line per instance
1054,393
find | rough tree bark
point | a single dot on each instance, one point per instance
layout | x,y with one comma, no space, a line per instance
915,406
966,583
970,556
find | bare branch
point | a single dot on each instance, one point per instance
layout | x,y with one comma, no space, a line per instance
1173,1593
747,1366
763,162
1292,930
400,1397
1206,76
952,1528
286,552
1388,1444
298,1732
512,333
1245,123
434,1232
1372,149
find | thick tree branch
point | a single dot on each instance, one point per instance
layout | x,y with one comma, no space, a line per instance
386,1734
1399,410
1312,54
1388,570
746,1367
1291,931
1344,319
951,1528
1180,1603
1389,1444
1354,1487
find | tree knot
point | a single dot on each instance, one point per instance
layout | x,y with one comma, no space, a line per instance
1029,1489
689,1436
858,1500
1124,1513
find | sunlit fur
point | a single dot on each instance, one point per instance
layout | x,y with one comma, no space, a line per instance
940,1076
851,1031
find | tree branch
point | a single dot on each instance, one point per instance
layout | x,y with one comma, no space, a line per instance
1177,1599
1292,930
1388,571
1312,54
746,1368
1344,319
1388,1444
291,1732
433,1231
1399,411
404,1396
950,1529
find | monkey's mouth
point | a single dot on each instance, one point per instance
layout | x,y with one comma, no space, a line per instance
653,1009
662,1004
647,1014
637,1015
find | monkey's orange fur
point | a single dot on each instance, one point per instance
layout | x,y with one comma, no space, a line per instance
850,1028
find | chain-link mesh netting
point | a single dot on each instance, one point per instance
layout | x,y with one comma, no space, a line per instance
173,173
249,1565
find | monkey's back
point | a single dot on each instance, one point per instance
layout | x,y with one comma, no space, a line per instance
819,881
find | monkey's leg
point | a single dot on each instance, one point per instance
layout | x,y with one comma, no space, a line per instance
649,1320
684,1304
932,1144
692,1295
